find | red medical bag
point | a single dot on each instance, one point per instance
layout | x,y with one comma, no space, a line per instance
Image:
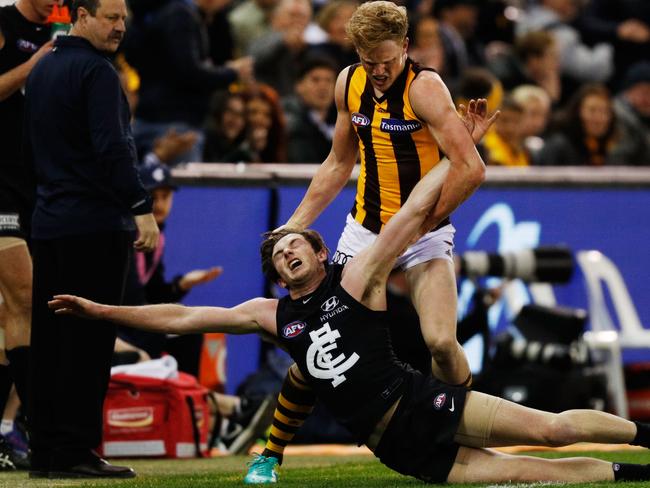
150,417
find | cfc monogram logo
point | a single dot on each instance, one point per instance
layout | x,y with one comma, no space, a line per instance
320,361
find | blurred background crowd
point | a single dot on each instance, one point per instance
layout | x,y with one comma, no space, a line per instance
253,80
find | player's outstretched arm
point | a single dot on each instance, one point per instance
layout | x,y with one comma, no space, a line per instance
432,102
371,267
335,171
255,315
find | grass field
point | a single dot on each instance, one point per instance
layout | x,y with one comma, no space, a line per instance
298,471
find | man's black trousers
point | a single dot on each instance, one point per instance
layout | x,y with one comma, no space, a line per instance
71,357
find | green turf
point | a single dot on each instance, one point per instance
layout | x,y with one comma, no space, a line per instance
326,472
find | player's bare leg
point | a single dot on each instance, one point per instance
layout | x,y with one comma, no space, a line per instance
433,292
487,466
490,421
16,290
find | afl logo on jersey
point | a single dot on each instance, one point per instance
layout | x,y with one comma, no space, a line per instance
439,401
293,329
26,46
360,120
330,304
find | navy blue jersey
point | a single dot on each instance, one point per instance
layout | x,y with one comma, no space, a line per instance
344,351
22,39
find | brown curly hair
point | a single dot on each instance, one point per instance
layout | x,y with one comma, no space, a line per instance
271,239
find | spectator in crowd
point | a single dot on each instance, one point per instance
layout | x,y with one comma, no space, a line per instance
311,113
220,36
496,24
168,48
534,60
78,137
146,281
426,47
587,134
249,20
632,104
225,128
623,23
23,41
266,137
504,144
578,60
278,53
478,83
332,18
458,19
537,110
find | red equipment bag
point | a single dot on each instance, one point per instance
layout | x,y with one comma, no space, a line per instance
150,417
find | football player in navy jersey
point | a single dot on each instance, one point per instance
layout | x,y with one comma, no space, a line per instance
333,323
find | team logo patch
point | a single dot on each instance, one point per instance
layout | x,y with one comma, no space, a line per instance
320,359
293,329
397,126
330,304
439,401
360,120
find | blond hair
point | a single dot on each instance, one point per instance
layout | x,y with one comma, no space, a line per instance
375,22
524,93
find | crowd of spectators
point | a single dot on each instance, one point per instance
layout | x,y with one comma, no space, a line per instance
254,79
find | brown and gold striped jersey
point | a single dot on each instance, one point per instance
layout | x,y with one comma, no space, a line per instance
395,147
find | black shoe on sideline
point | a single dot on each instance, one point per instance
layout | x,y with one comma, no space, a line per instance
97,468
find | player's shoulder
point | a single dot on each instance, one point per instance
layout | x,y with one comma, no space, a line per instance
424,76
342,82
348,71
428,86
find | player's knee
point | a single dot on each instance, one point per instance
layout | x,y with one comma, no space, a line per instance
559,431
442,347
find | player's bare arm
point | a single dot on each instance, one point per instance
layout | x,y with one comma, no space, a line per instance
370,268
432,102
335,171
366,274
256,315
14,79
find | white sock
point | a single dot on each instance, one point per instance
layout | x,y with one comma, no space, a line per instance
6,426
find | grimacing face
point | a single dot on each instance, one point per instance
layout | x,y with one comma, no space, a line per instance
295,260
384,63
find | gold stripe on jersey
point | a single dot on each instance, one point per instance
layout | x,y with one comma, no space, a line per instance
396,149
